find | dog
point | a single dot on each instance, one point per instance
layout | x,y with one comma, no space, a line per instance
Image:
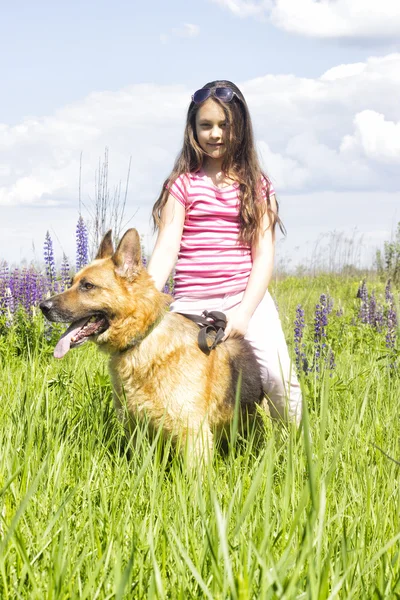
158,372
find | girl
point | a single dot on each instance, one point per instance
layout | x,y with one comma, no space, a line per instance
216,216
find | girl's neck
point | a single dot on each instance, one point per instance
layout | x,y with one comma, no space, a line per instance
212,168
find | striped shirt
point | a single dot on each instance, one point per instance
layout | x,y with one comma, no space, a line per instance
211,260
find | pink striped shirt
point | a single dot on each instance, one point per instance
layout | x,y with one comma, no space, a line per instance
211,260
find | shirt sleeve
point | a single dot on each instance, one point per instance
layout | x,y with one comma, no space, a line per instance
267,187
178,189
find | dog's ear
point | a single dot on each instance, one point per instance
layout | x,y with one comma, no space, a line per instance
106,247
128,256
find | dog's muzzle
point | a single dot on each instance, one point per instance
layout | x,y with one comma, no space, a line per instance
53,313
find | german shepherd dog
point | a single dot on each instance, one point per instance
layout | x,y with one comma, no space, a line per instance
157,369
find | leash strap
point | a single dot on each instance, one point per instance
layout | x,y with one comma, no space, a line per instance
210,323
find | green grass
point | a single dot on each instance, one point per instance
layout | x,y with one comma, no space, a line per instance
308,514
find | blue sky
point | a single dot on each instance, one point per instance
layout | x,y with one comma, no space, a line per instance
81,76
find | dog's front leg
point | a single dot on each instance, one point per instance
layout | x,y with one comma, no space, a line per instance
198,445
125,418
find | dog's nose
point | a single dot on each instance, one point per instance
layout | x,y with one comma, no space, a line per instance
45,306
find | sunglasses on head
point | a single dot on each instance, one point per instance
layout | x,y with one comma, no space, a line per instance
222,93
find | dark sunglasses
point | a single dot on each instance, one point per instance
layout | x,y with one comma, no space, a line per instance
222,93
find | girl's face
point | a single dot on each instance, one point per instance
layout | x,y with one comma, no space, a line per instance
211,129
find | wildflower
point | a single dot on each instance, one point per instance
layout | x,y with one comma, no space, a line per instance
48,330
49,260
34,294
372,308
329,304
322,310
9,306
7,299
65,273
362,293
144,257
379,318
388,292
82,251
299,325
14,286
25,290
331,360
169,287
391,327
362,290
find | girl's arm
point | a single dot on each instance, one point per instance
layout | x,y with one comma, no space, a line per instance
263,252
168,242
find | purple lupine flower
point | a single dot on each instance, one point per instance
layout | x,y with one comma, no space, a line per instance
65,273
27,303
329,304
7,305
22,301
10,308
320,324
4,285
388,292
362,293
32,289
41,289
379,318
144,257
14,286
44,289
82,246
49,260
391,319
25,291
48,330
169,286
331,361
299,324
372,308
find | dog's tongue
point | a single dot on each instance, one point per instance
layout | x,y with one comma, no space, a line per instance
64,343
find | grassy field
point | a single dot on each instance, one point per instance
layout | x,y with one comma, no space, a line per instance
313,513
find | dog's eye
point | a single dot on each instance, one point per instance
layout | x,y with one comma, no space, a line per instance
88,286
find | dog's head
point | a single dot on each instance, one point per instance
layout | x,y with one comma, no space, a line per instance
111,289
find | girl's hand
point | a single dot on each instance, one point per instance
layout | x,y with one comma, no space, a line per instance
237,324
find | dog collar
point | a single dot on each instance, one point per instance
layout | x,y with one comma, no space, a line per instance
136,341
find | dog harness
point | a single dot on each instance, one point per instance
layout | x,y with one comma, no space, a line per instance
212,324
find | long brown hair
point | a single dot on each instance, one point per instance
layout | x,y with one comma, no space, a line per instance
240,162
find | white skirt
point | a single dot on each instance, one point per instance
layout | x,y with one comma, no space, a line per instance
266,337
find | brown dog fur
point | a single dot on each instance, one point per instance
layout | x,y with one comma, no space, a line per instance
156,365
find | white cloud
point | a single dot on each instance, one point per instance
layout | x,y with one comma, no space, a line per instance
285,172
343,71
303,124
374,136
338,133
40,157
187,30
310,133
245,8
325,18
